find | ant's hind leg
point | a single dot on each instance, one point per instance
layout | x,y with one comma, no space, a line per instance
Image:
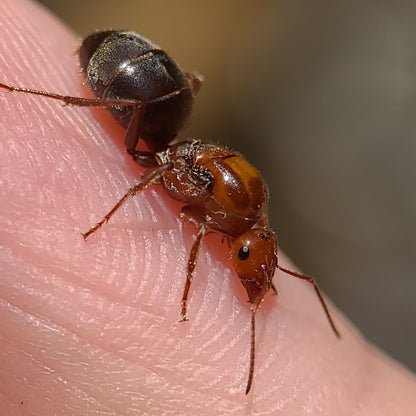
76,101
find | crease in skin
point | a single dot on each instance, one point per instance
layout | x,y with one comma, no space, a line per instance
51,327
71,286
59,271
64,332
79,393
31,255
56,273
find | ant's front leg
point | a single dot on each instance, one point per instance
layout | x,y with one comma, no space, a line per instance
192,260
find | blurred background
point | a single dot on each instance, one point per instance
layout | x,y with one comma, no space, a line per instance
320,96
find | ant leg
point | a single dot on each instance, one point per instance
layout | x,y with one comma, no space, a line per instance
274,289
133,131
77,101
144,159
193,257
252,349
311,280
135,126
149,176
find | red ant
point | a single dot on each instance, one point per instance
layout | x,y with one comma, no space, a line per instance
151,97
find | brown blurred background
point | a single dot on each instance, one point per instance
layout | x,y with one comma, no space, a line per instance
320,96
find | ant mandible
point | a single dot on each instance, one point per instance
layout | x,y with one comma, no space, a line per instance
147,93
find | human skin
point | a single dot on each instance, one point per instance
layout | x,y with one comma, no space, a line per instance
92,327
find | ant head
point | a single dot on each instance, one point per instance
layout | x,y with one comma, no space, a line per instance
254,257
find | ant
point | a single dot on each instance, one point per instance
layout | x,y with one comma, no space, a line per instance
149,95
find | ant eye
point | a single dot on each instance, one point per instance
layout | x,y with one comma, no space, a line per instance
243,253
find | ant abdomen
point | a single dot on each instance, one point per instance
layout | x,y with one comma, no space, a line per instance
121,65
